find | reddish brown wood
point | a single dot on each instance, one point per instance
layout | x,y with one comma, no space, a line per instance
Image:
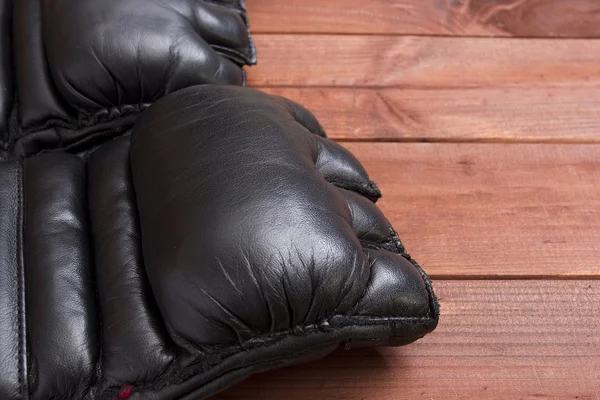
536,18
548,114
464,210
422,62
496,339
492,210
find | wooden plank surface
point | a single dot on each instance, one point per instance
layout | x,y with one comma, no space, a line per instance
528,18
496,339
522,209
539,114
492,210
422,62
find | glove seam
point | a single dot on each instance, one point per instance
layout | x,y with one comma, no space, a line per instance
433,303
434,308
83,121
20,262
327,324
324,326
379,245
240,53
18,239
111,128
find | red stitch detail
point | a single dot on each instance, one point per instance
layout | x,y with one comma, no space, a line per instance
125,392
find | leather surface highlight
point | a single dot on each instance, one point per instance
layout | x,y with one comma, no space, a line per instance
63,337
136,348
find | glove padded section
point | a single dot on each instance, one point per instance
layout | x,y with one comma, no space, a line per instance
63,330
242,236
78,61
136,348
13,373
255,256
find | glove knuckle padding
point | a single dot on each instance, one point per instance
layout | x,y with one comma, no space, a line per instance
82,63
271,247
230,237
246,273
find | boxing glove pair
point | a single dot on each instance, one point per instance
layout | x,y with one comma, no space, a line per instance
165,246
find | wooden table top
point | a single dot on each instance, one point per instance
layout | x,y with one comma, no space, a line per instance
480,121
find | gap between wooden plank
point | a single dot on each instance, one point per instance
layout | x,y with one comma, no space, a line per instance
474,211
436,62
521,18
490,140
485,115
396,35
511,339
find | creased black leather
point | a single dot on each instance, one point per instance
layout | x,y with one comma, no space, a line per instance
59,277
224,235
82,66
6,85
288,226
12,324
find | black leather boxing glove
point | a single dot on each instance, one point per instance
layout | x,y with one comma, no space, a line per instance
82,64
226,236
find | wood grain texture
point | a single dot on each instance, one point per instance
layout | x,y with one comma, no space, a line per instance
492,210
521,211
422,62
523,18
543,114
496,339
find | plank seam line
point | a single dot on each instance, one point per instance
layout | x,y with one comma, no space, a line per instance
256,33
533,85
482,277
474,140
